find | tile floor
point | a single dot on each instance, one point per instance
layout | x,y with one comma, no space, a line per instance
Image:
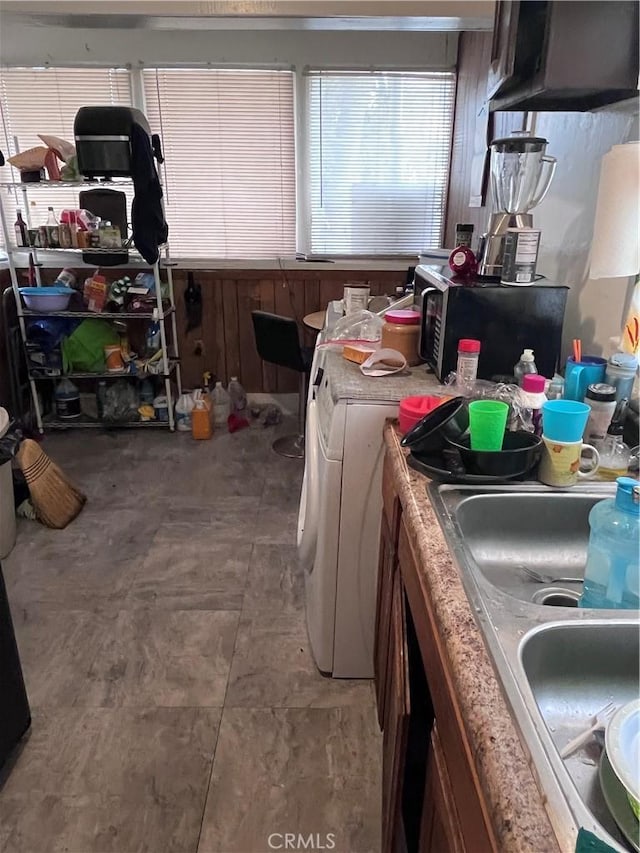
176,707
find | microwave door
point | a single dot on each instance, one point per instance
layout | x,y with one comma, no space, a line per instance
431,327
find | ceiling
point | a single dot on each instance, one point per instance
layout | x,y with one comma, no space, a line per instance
416,15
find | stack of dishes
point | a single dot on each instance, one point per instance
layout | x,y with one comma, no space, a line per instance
620,770
440,448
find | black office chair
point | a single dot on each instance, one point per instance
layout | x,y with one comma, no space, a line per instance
278,342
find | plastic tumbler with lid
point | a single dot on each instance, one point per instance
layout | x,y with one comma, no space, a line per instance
467,366
601,399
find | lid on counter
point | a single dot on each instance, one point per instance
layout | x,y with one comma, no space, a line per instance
601,392
468,345
403,316
628,495
534,383
624,360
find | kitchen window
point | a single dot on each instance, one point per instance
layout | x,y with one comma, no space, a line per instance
378,150
229,144
46,100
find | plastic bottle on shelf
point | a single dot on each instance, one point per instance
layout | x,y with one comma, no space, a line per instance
238,397
221,405
613,564
67,398
525,365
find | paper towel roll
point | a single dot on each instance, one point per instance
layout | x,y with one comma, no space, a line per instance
615,249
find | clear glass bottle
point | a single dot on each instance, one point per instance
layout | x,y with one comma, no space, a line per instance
612,572
53,230
21,231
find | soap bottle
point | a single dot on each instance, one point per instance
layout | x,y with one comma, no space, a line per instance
524,366
612,573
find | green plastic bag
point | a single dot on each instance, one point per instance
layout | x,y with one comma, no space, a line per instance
83,350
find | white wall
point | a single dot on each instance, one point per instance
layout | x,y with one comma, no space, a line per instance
33,45
595,309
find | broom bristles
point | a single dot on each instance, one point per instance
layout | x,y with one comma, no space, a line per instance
56,500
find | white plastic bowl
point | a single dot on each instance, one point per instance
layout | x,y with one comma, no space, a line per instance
46,299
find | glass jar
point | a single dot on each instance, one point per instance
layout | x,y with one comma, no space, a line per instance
467,365
401,332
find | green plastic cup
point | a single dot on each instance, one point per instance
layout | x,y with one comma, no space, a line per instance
487,423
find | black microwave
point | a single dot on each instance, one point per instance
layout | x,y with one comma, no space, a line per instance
505,319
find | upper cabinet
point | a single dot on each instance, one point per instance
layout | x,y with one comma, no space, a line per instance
563,56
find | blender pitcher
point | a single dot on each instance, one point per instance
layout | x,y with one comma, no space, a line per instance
521,172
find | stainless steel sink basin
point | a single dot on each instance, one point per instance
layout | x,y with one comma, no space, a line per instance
557,665
546,531
573,669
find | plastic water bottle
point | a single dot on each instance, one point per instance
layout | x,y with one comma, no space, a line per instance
221,405
238,397
525,365
612,573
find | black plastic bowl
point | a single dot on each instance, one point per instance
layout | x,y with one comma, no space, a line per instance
520,453
448,421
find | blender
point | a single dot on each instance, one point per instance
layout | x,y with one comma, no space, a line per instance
521,173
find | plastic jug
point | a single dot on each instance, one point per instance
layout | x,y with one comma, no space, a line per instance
221,405
183,410
612,573
238,397
201,427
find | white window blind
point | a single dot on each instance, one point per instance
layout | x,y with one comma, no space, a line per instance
229,175
378,152
46,100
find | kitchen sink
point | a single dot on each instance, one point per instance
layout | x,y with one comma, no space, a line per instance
544,531
558,666
574,669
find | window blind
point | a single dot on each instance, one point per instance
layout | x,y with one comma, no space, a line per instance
378,153
46,100
229,173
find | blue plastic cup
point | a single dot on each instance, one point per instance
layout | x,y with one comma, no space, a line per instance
579,375
564,420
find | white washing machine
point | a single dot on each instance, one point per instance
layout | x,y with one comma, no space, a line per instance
341,504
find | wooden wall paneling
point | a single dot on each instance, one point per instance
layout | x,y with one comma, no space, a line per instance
231,334
216,326
311,305
250,362
287,380
268,303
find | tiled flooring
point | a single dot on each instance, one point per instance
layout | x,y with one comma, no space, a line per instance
175,703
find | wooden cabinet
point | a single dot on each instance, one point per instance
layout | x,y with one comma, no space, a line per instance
397,709
550,56
386,568
440,825
431,798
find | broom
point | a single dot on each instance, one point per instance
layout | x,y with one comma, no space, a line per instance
57,501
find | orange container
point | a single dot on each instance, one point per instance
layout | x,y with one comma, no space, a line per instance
201,427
